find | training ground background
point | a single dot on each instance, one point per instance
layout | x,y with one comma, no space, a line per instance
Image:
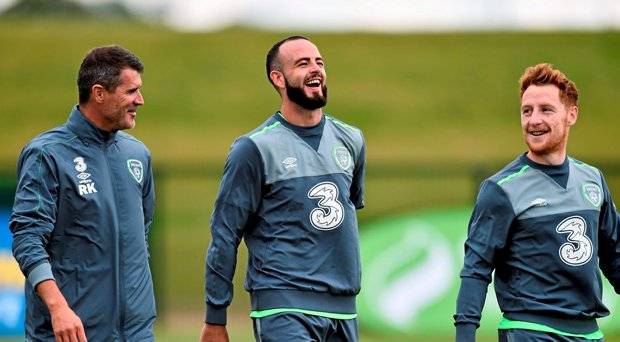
429,105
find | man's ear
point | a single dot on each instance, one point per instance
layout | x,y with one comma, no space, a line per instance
573,113
277,77
97,93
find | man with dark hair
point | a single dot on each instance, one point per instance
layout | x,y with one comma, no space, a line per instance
545,223
290,188
83,207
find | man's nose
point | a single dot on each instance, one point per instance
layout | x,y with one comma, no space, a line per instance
139,100
315,67
536,117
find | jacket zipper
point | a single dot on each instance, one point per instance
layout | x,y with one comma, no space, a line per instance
117,247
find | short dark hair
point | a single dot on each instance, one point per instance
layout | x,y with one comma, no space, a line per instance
272,61
103,65
543,74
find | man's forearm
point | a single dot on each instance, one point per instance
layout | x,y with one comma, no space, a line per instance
51,295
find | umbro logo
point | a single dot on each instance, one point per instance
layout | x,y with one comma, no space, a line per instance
289,162
539,202
85,185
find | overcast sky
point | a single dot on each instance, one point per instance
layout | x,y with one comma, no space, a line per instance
373,15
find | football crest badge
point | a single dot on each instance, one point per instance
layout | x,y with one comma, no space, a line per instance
136,169
593,194
342,157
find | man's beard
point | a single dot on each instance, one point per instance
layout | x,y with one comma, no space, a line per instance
297,95
554,142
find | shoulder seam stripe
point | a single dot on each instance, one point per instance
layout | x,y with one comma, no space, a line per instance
513,175
340,123
265,129
48,144
39,177
582,164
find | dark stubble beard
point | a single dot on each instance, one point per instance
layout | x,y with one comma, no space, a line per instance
297,95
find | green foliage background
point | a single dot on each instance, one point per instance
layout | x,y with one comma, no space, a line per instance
432,103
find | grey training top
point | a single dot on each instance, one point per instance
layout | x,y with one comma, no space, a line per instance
545,231
291,194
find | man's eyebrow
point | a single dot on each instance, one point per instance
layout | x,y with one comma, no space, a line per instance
307,59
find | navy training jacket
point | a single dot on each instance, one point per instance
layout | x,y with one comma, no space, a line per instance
83,207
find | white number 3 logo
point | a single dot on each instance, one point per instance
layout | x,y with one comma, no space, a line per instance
330,213
578,250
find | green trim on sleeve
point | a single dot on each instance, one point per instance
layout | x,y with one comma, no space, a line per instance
513,175
271,312
508,324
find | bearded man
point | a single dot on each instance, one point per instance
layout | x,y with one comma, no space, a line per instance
290,189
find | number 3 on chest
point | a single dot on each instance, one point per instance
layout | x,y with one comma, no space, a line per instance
330,213
578,250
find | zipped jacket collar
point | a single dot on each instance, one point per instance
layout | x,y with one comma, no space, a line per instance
79,124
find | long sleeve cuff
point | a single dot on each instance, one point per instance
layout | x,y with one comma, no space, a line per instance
470,301
40,273
216,315
465,333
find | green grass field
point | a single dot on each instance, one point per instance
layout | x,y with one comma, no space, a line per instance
440,102
418,98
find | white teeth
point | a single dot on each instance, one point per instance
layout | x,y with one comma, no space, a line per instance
313,83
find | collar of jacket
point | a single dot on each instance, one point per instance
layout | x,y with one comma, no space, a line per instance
84,129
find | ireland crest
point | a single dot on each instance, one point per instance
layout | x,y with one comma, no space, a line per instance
135,169
342,157
592,192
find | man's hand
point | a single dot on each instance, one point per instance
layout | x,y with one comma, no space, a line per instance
66,324
214,333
